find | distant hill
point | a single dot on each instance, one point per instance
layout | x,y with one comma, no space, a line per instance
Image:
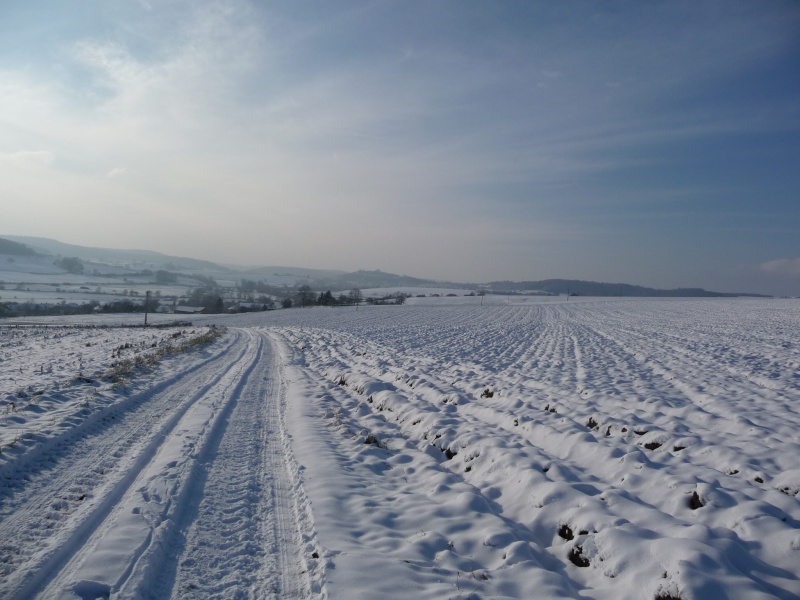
320,279
323,279
378,279
594,288
274,272
148,257
15,248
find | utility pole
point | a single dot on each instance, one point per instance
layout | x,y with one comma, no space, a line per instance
146,305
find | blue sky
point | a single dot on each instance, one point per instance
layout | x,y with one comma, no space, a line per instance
654,143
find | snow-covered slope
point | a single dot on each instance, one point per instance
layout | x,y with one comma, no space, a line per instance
582,449
634,449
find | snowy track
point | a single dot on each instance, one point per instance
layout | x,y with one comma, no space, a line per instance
243,537
102,512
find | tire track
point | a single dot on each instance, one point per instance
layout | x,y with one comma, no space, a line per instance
143,434
241,535
70,480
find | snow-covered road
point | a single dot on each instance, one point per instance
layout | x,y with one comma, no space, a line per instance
242,534
182,490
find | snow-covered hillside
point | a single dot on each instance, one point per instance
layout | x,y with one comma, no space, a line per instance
581,449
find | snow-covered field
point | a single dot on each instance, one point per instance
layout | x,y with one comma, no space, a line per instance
582,449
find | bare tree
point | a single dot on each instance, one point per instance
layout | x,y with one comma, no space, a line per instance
356,296
305,296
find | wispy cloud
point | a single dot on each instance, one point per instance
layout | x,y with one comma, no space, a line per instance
782,266
28,157
116,172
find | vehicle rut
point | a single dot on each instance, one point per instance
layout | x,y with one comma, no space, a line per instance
239,538
77,479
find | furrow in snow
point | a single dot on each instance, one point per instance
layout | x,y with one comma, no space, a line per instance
588,489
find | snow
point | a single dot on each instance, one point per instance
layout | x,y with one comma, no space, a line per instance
414,291
538,447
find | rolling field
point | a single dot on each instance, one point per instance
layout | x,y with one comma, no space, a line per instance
582,449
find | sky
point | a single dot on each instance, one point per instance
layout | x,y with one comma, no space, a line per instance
652,143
